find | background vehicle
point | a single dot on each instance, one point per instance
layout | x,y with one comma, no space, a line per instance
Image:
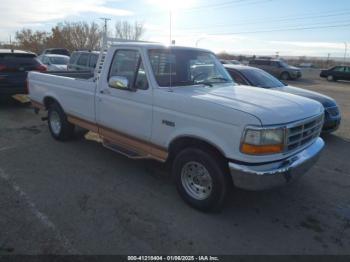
56,51
336,73
179,104
55,62
277,68
83,61
14,65
230,62
245,75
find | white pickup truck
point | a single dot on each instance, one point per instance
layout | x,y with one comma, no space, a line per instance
179,104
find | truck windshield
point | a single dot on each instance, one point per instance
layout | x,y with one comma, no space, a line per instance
183,67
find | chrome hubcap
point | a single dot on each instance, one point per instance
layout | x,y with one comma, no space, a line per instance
196,180
55,123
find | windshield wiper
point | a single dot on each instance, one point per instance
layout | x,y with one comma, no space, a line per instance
219,78
206,84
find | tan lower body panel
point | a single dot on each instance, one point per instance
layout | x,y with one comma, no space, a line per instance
143,148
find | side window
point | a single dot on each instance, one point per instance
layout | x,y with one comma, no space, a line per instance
73,58
141,78
45,60
83,60
347,69
237,78
93,60
128,64
339,69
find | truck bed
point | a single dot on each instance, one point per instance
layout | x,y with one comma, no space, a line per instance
74,91
73,74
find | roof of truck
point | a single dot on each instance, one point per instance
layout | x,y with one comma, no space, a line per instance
150,45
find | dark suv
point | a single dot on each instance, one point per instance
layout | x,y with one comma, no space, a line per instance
14,65
83,61
277,68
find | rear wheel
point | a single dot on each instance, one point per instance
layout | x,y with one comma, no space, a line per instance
59,127
285,76
201,179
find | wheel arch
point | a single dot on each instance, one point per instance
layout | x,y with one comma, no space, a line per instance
181,142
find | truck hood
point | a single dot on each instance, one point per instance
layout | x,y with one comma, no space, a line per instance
326,101
267,105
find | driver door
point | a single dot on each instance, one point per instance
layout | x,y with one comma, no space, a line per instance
124,115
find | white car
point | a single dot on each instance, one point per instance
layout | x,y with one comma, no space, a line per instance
55,62
151,101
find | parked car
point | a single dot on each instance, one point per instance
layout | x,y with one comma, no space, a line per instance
336,73
14,65
56,51
246,75
55,62
83,60
230,62
153,101
277,68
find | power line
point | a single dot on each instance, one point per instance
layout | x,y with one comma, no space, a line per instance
284,30
278,30
267,20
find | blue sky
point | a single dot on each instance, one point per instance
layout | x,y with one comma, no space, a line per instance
234,26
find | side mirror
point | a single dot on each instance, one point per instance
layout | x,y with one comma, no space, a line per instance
119,82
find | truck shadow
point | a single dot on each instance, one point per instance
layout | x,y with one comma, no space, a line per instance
7,102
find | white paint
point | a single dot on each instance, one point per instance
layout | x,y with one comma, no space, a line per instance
217,115
44,220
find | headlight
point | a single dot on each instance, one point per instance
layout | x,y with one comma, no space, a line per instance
262,141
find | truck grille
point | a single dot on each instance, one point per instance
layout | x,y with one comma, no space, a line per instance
302,133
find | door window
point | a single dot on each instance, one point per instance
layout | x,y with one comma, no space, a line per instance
128,64
93,61
237,78
339,69
83,60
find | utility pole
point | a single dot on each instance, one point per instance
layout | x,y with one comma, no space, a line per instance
346,50
105,27
170,26
328,56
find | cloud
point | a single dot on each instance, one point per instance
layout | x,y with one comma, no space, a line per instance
20,13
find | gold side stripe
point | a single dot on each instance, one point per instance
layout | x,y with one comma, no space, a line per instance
37,105
144,148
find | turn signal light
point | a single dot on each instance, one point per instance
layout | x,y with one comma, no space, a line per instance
261,149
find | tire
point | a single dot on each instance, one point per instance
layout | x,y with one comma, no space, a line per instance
285,76
201,179
59,127
331,78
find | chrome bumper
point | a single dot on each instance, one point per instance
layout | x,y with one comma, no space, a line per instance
266,176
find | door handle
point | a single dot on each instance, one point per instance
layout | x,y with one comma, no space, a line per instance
105,91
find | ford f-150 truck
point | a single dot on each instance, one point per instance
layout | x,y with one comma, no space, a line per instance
179,104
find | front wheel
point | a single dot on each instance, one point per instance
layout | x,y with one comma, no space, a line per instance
201,179
285,76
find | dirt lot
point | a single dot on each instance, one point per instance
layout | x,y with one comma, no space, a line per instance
79,197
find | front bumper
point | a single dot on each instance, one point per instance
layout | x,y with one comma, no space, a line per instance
267,176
